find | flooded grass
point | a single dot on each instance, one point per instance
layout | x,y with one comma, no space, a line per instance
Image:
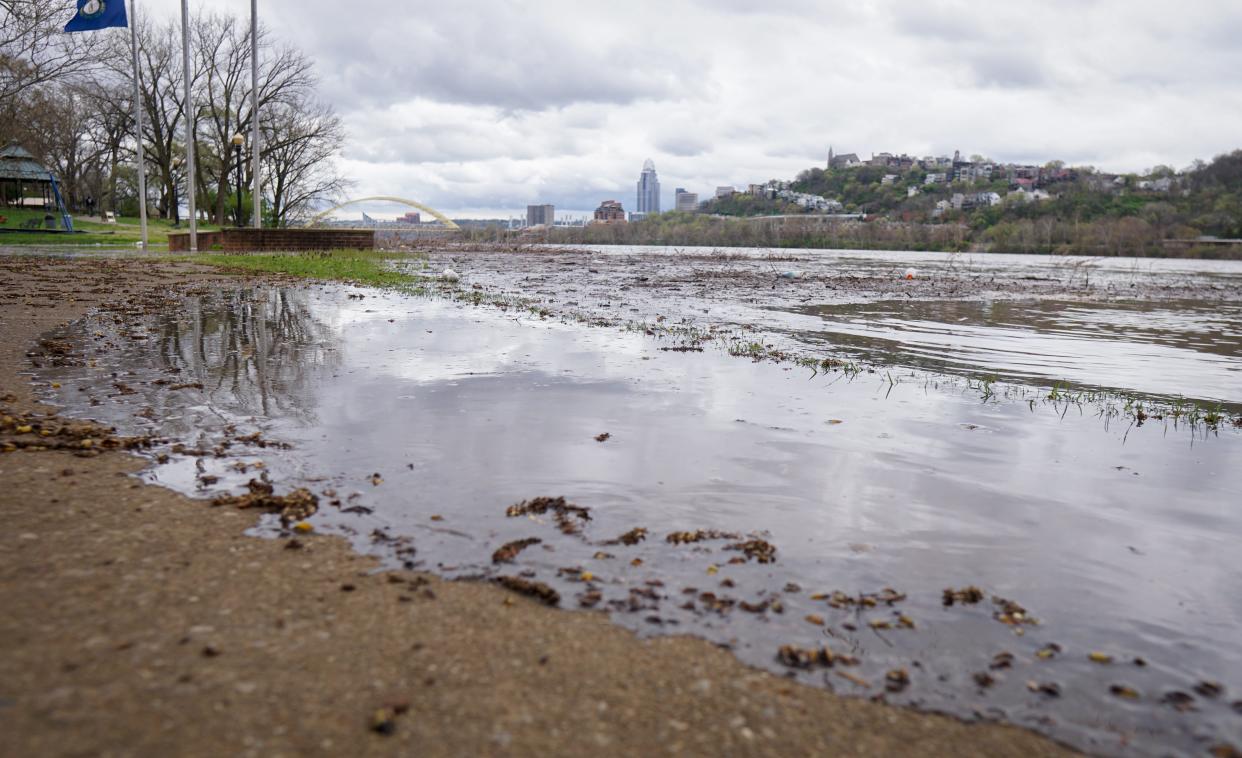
778,344
364,267
392,270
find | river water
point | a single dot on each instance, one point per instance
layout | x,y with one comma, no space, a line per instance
419,420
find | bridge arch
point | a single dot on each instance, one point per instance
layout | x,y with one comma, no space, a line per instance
388,198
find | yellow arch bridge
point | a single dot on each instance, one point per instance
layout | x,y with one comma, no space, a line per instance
387,198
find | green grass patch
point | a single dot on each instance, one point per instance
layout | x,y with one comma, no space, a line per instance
124,233
367,267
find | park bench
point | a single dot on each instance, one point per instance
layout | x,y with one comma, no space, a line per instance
31,223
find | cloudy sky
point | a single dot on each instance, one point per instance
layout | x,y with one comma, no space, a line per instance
478,107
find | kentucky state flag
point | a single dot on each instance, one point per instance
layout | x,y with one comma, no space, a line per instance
98,14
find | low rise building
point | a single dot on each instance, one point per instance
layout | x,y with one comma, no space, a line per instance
540,215
610,212
970,201
1019,173
810,202
1025,195
979,200
1163,184
936,163
973,172
848,160
686,202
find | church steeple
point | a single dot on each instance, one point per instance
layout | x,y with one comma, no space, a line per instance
830,156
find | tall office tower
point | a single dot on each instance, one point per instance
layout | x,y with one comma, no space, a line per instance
648,189
540,215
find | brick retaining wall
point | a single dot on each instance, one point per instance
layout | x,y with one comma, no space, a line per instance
248,240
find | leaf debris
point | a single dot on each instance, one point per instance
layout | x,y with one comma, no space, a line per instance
509,551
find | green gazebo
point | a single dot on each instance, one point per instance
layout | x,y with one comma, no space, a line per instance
20,172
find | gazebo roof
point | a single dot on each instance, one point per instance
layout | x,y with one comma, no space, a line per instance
17,164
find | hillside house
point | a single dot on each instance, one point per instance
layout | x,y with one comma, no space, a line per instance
848,160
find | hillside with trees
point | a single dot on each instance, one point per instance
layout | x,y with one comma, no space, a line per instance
1053,209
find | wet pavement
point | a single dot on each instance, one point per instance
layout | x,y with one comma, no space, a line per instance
757,504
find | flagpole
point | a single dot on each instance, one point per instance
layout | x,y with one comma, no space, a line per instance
256,220
189,125
142,164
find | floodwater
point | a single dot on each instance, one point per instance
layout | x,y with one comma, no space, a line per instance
1117,538
1151,328
1162,350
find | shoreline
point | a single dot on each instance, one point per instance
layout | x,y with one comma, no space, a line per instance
143,621
1209,252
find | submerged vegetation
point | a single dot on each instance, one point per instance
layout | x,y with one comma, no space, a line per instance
392,270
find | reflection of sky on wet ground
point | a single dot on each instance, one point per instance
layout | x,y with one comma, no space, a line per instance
1025,319
1156,348
1118,539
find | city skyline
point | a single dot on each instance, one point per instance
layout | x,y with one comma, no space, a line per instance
647,198
724,94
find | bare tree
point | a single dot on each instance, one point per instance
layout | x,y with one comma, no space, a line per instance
110,125
286,77
35,51
301,141
162,101
67,98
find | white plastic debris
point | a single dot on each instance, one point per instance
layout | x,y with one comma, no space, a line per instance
450,275
789,275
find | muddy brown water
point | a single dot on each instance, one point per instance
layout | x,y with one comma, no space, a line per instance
1117,539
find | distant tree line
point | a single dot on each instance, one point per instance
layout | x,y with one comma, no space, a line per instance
68,99
702,230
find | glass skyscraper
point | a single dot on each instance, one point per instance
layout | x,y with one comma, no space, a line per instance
648,189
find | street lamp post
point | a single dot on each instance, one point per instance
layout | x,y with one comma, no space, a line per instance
176,208
238,141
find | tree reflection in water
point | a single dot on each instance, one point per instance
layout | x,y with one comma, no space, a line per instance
256,351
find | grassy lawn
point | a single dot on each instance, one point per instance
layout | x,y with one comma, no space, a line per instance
354,266
124,233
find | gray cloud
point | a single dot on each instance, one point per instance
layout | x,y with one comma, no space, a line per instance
682,145
481,53
483,106
995,68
